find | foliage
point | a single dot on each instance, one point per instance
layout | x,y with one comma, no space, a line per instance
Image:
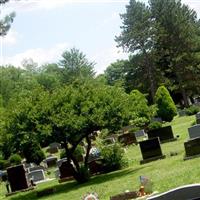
15,159
33,152
6,22
75,65
4,164
192,110
139,108
113,156
165,45
166,107
154,125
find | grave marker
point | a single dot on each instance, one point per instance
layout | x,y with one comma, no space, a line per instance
165,134
37,175
17,178
151,150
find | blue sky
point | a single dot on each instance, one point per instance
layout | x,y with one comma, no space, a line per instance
43,29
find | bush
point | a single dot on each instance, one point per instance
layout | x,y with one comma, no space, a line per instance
154,125
166,107
113,156
15,159
192,110
4,164
33,153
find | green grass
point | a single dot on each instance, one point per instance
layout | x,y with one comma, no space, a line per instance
165,174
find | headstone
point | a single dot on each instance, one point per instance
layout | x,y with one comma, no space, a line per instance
57,173
151,150
198,118
127,139
186,192
192,148
52,150
181,113
55,145
37,175
165,134
17,178
140,133
60,161
157,119
66,170
194,131
51,161
96,166
31,169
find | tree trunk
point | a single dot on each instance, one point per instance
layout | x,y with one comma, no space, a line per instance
88,150
185,98
151,74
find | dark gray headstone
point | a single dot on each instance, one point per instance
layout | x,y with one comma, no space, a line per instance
164,133
66,170
51,161
127,139
55,145
151,150
192,148
37,175
187,192
17,178
194,131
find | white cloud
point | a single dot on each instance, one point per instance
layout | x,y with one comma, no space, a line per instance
39,55
29,5
106,57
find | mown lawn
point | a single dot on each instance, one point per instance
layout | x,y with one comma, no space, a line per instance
166,174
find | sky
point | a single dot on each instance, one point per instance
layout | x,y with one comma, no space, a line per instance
44,29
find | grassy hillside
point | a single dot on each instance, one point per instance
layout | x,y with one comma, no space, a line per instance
166,174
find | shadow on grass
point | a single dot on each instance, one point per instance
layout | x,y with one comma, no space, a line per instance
70,186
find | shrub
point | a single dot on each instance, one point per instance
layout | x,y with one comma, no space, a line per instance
154,125
15,159
166,107
192,110
33,153
4,164
113,156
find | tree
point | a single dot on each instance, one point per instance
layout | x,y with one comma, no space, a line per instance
176,42
74,65
68,115
166,107
6,22
137,36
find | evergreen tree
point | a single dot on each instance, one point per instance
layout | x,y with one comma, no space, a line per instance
166,107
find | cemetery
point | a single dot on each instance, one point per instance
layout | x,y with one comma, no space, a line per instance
120,123
127,179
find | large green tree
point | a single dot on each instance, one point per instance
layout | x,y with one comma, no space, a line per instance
137,36
176,44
